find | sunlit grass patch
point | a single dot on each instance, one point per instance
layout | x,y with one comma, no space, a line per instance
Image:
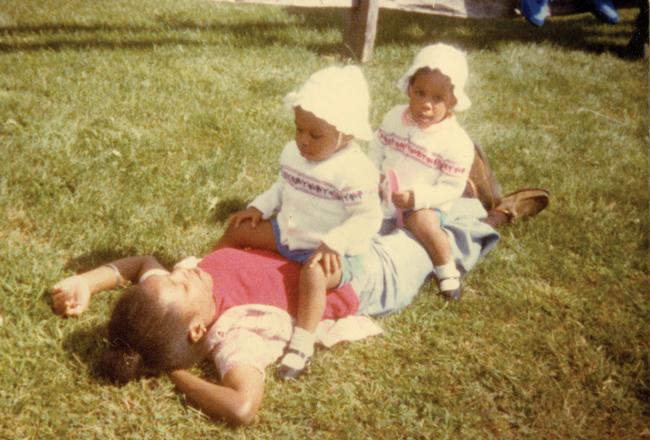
136,127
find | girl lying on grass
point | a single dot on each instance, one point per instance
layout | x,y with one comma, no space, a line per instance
167,321
229,307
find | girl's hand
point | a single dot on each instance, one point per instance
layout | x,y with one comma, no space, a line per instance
187,263
329,259
70,296
253,214
404,199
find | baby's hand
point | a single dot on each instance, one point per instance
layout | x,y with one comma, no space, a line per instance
329,259
253,214
404,199
70,296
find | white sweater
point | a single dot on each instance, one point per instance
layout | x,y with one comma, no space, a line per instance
334,201
434,163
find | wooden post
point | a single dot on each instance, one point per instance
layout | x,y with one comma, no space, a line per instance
361,30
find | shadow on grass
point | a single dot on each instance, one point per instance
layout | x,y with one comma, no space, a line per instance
578,32
86,346
98,257
90,260
224,208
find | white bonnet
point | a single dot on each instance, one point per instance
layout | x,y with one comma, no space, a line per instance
449,61
338,95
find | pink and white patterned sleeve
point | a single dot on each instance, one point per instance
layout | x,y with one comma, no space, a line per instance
253,335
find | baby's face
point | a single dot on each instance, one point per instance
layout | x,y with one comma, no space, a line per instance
316,139
431,97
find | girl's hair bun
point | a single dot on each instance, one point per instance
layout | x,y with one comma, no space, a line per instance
121,365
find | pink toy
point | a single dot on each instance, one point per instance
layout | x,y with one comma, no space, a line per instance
393,187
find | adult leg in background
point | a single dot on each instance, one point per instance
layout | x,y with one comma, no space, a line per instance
483,185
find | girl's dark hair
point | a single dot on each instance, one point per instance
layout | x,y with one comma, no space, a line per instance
147,338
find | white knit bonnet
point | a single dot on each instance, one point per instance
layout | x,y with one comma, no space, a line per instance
449,61
338,95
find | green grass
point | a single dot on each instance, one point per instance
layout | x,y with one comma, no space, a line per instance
136,127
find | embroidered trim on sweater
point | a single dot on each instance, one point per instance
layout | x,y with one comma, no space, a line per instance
416,152
310,185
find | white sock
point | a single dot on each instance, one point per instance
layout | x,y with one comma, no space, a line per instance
448,276
447,270
303,342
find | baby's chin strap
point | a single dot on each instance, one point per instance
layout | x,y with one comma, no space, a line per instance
338,141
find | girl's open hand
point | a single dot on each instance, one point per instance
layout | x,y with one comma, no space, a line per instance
70,296
329,259
403,199
253,214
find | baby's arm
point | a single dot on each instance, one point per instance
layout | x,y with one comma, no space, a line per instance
377,146
364,222
237,400
364,214
251,213
269,202
262,207
451,182
71,296
376,150
447,188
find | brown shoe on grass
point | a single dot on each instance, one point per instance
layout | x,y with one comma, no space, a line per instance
523,203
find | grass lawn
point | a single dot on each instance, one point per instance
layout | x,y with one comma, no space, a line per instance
136,127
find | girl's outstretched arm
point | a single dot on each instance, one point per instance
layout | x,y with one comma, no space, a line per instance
237,400
71,296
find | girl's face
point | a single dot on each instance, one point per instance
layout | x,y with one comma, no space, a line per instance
188,290
431,96
316,139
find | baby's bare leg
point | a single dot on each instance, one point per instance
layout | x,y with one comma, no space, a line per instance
425,225
314,284
245,236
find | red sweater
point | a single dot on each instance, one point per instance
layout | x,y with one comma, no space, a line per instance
263,277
